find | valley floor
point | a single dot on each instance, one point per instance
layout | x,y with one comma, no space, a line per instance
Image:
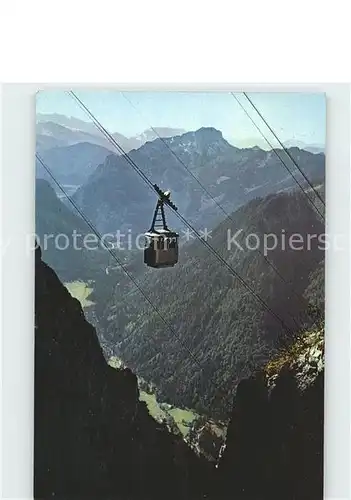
81,290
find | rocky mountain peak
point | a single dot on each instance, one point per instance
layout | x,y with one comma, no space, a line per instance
202,138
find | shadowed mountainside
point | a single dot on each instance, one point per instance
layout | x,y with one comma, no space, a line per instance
223,332
114,197
274,446
93,437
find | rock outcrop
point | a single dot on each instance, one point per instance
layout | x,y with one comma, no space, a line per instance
93,437
274,447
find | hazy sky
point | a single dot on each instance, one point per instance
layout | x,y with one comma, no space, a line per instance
298,116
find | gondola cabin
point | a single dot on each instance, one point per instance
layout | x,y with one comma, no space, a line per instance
161,249
161,243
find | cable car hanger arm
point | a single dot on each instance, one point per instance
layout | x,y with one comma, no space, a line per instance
165,197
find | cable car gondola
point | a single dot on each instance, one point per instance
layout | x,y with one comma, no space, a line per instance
162,243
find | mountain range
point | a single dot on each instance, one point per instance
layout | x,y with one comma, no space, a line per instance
216,186
232,332
75,124
71,165
74,149
207,176
250,142
224,327
56,226
55,130
312,148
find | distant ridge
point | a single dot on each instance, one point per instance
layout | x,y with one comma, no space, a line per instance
54,130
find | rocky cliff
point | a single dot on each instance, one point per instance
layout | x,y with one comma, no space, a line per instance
93,437
274,447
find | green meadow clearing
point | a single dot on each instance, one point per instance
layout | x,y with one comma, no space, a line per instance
182,418
80,290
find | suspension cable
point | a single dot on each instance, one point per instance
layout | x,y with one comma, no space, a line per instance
213,198
205,243
278,155
218,389
285,149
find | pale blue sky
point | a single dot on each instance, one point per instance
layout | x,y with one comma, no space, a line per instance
298,116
